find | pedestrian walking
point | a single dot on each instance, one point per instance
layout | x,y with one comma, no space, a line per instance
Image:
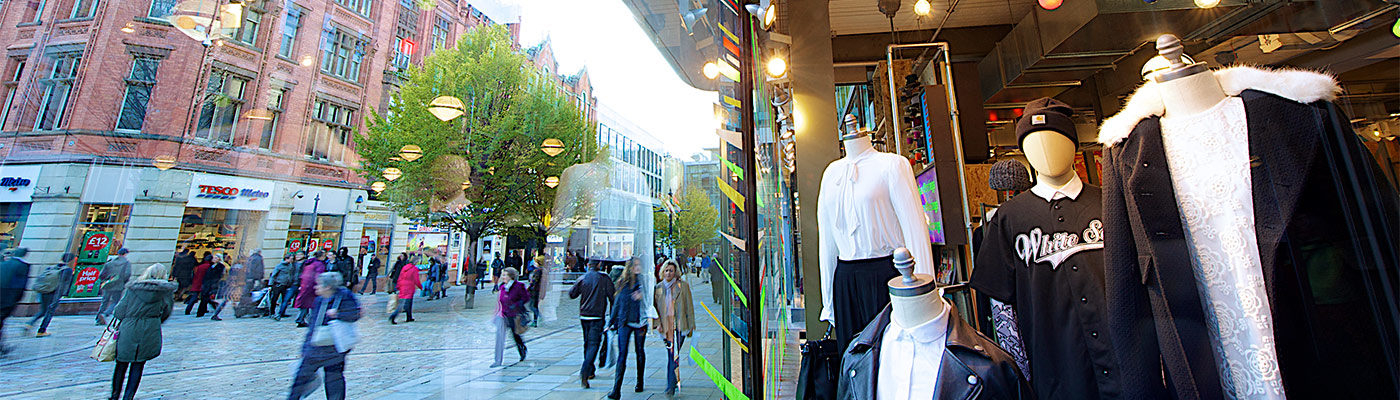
334,302
406,284
234,289
629,323
535,277
14,278
429,279
183,270
496,266
442,283
140,312
193,291
372,275
53,284
306,295
211,279
284,278
114,276
676,320
396,271
257,270
596,291
510,301
347,268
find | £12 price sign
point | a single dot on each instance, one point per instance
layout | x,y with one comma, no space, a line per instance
95,247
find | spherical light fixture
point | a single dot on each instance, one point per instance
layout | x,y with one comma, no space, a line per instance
446,108
128,28
378,187
551,181
307,61
392,173
923,8
163,162
410,152
552,147
711,70
777,66
1207,3
1053,4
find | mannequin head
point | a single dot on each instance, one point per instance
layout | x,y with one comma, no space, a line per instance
1051,154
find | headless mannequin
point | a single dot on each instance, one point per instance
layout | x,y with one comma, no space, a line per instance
1052,156
909,307
857,146
1186,89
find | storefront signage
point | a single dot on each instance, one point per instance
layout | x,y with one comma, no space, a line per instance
95,246
294,245
85,280
230,192
17,183
328,244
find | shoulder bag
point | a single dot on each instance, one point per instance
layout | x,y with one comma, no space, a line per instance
106,348
821,364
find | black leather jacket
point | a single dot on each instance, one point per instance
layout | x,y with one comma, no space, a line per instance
973,367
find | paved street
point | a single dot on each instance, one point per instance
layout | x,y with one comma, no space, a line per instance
445,354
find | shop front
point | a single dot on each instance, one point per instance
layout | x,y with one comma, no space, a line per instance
16,196
318,219
225,215
103,221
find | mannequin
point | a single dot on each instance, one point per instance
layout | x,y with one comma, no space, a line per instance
914,298
1041,266
868,206
1186,89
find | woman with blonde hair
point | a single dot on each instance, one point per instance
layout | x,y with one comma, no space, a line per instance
628,320
676,318
146,304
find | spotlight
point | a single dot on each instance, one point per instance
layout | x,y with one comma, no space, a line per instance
765,11
1053,4
777,66
923,8
1207,3
711,70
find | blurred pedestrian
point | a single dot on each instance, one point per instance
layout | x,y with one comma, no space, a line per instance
140,313
284,277
347,268
14,278
510,301
676,320
256,270
442,283
50,293
628,320
114,276
496,266
536,279
597,292
334,302
234,288
194,291
306,296
372,275
183,270
396,270
406,284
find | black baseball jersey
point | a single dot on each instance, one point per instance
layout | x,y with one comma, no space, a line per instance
1045,258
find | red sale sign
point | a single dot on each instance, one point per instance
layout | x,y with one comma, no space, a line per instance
328,244
294,246
95,242
86,282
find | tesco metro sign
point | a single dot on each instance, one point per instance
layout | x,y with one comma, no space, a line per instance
230,192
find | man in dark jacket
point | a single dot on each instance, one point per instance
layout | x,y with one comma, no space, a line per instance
284,277
256,269
347,268
183,269
496,266
48,302
597,291
372,275
971,366
114,276
14,277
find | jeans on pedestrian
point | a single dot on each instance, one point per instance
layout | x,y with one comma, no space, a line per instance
301,315
673,353
406,306
506,327
9,297
371,281
626,333
592,340
132,379
48,303
315,358
110,297
204,298
287,296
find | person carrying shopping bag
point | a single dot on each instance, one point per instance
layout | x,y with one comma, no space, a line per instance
327,344
406,285
511,297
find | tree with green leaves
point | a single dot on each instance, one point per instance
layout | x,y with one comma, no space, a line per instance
696,222
482,173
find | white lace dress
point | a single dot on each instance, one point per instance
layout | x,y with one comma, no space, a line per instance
1208,155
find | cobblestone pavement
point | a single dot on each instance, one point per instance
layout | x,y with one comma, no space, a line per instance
444,354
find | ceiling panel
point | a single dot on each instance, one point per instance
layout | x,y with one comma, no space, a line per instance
863,16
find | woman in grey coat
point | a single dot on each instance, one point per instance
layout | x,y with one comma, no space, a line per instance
146,304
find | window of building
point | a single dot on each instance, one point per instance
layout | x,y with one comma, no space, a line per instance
12,219
57,88
290,26
108,219
329,135
405,29
84,9
359,6
274,105
248,31
162,9
343,54
33,10
138,93
312,231
441,30
223,99
11,85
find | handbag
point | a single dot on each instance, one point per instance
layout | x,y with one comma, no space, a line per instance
821,363
341,334
106,348
392,305
520,324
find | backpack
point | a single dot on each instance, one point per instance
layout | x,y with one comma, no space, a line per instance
48,281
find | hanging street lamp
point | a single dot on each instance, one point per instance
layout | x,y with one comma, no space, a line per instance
410,152
392,173
552,147
446,108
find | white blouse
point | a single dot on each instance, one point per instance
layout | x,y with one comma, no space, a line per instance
1208,156
868,206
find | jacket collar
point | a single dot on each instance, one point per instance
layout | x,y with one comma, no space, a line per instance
955,378
1297,85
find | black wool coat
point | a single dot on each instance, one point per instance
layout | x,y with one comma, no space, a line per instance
1326,222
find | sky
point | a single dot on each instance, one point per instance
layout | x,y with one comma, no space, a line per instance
628,73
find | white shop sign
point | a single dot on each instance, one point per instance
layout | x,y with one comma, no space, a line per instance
333,201
230,192
111,185
17,183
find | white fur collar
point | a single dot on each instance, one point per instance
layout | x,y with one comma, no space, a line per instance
1297,85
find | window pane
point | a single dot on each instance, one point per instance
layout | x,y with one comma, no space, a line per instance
161,9
133,114
269,130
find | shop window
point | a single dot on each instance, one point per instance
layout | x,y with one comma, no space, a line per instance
343,54
138,93
359,6
274,106
84,9
110,219
232,232
310,231
162,9
331,128
12,218
57,88
248,31
11,87
290,27
223,99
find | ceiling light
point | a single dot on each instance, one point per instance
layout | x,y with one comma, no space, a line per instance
392,173
777,66
1207,3
307,61
446,108
1053,4
923,8
163,162
711,69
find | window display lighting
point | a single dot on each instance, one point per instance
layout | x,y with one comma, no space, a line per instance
923,8
1053,4
1207,3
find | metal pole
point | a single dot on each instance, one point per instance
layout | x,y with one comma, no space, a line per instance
746,102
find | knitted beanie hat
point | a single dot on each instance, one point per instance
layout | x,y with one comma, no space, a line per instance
1009,175
1046,114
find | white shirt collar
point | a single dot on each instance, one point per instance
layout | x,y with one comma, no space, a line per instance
1071,189
928,332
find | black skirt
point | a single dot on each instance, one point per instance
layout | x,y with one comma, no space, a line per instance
860,291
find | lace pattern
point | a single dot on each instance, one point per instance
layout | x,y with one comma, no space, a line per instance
1009,335
1208,156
